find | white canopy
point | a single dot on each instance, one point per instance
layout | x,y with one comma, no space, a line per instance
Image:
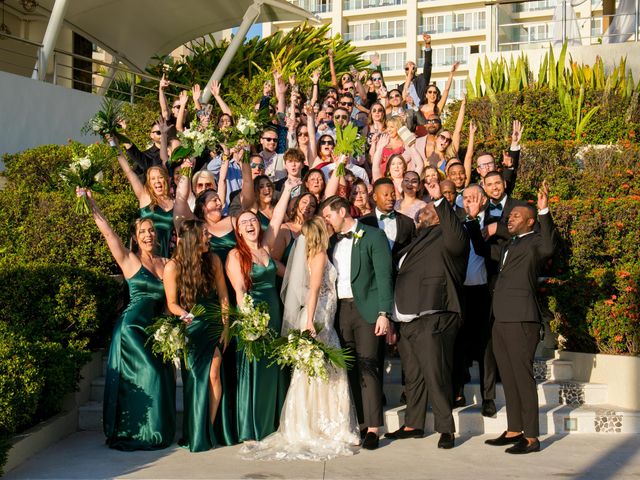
136,30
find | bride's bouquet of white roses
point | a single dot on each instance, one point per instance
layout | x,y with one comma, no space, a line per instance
193,141
251,328
247,129
86,173
301,350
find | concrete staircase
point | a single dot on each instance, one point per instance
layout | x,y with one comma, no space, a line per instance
566,406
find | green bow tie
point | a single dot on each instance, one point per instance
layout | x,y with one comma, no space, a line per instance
390,215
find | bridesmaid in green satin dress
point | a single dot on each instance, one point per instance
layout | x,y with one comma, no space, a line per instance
208,208
195,276
139,395
261,389
155,202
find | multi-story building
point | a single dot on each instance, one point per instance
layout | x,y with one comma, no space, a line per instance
459,28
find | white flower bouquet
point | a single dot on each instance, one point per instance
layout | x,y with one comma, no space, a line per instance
247,129
87,173
193,141
302,351
251,328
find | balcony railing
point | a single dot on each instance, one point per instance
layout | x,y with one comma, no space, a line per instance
361,4
374,35
450,27
315,6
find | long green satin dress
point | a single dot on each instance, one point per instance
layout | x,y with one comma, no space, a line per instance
261,389
264,220
225,424
163,224
197,430
140,390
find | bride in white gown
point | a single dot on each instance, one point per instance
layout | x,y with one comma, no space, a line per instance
318,419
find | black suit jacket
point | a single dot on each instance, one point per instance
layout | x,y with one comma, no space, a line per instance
432,273
421,81
406,230
509,174
502,233
515,292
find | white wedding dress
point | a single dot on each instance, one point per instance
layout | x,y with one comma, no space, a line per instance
318,420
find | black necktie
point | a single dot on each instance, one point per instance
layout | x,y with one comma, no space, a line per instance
340,236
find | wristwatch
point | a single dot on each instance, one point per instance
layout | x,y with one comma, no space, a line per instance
384,314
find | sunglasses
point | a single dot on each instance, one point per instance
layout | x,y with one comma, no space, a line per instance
327,142
303,134
432,120
257,165
376,79
346,104
157,132
377,110
395,96
270,139
432,91
442,137
486,165
340,117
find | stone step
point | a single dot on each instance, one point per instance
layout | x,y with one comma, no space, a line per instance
559,419
543,369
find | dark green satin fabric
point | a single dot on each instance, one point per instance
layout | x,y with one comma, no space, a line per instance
264,220
261,389
197,429
139,394
163,224
225,424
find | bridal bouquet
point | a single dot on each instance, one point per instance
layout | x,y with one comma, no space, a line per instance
302,351
247,129
193,141
348,142
169,339
251,327
107,121
87,173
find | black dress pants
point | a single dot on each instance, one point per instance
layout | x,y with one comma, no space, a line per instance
514,346
365,377
426,352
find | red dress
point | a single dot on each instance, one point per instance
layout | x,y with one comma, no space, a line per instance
386,154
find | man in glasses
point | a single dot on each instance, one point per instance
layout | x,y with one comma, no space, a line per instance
420,81
273,161
486,162
151,156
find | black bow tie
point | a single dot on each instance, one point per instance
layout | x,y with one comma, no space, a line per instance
340,236
495,206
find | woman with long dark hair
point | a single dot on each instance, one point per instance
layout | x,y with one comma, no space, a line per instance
194,276
139,392
251,269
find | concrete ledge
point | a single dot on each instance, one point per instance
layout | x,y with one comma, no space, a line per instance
51,431
621,374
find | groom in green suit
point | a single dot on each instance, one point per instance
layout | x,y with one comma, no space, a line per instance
362,258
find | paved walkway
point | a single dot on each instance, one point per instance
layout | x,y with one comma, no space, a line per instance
83,455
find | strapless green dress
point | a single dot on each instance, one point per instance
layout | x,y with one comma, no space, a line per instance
140,390
261,389
264,220
225,425
163,224
197,430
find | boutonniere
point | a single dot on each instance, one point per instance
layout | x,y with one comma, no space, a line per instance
357,235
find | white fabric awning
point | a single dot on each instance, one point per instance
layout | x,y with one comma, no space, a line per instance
137,30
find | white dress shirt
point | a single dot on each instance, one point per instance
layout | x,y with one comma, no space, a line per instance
342,262
390,227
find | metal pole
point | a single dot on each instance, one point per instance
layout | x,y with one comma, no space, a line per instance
249,18
637,18
50,38
564,21
132,88
55,68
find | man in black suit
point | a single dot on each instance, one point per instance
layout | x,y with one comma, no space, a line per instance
428,308
398,228
487,163
516,330
499,206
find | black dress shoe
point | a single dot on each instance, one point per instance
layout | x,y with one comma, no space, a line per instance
402,432
370,441
447,440
503,440
523,446
363,433
489,408
460,402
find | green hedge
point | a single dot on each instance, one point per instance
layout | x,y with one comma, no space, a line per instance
50,319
